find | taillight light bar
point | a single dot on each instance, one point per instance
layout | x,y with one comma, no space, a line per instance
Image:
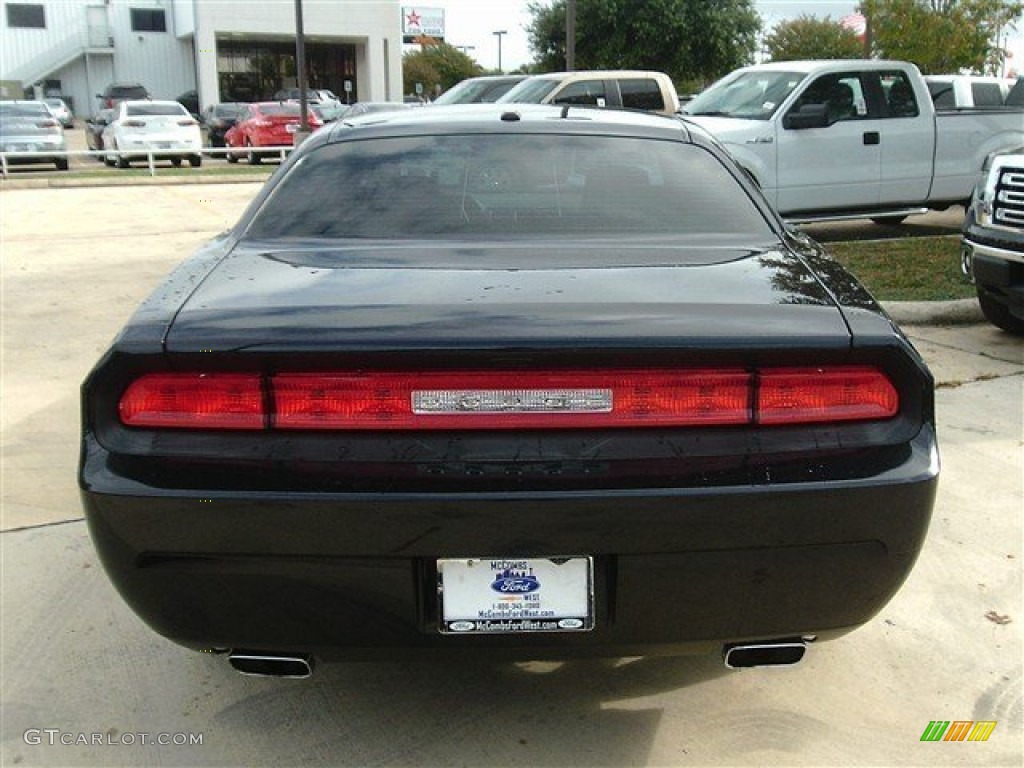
195,401
446,400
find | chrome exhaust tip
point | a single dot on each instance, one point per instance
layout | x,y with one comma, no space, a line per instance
262,664
773,653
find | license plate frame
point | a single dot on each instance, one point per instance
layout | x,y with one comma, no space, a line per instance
515,595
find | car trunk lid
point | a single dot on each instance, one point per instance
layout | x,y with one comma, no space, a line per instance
421,296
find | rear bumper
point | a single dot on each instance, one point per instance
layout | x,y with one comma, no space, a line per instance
354,575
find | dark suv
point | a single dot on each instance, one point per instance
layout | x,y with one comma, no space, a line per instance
115,93
993,243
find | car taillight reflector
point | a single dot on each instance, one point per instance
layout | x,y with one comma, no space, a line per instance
187,122
511,400
412,400
134,123
809,395
195,401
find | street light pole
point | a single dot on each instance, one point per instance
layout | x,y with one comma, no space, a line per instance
498,34
300,65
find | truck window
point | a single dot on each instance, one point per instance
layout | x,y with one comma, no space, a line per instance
841,93
583,92
899,94
641,93
942,94
987,94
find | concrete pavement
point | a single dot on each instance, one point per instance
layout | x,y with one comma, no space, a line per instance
78,666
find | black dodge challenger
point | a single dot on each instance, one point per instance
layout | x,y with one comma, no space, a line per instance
530,382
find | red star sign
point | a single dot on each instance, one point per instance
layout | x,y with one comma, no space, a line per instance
412,19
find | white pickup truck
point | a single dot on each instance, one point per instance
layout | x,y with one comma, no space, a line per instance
850,139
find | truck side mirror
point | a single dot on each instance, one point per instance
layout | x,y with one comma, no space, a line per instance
807,116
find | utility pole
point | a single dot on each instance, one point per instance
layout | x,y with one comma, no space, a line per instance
570,35
300,64
498,34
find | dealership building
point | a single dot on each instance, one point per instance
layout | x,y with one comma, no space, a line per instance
226,51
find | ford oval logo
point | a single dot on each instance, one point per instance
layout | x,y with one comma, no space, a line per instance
515,585
461,626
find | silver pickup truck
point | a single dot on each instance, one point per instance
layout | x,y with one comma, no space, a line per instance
851,139
993,243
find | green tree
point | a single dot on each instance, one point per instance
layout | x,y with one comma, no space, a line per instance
694,41
810,38
436,64
941,36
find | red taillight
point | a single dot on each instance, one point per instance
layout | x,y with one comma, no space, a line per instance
412,400
511,400
187,122
808,395
134,123
195,401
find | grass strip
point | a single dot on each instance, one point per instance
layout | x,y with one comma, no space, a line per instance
909,269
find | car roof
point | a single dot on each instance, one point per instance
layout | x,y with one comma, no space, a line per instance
511,118
827,65
594,74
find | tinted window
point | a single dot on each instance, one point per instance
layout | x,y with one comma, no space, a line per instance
152,110
126,92
148,20
584,92
641,93
987,94
899,94
281,110
447,186
1015,98
26,16
841,93
942,95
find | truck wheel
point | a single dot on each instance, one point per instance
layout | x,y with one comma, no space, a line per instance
999,315
888,221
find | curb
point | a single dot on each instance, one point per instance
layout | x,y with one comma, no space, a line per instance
141,181
957,312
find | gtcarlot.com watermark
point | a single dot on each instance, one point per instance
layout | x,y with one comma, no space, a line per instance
56,737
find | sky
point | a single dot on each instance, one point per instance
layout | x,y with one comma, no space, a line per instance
472,23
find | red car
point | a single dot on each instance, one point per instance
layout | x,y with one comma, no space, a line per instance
265,124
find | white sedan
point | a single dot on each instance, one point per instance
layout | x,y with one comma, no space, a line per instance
164,129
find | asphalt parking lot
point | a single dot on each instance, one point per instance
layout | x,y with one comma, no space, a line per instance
85,683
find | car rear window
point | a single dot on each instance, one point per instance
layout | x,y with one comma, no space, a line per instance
128,92
153,110
280,110
27,109
521,185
